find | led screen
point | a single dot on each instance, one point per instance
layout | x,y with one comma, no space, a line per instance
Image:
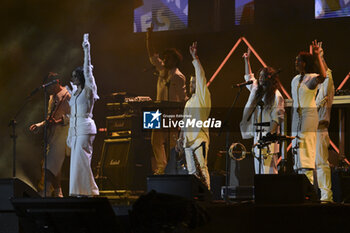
164,14
244,12
332,8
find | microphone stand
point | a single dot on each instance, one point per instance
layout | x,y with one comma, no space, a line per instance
45,139
13,135
227,126
261,105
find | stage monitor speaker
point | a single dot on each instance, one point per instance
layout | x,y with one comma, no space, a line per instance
125,164
66,215
9,188
341,185
188,186
283,189
13,187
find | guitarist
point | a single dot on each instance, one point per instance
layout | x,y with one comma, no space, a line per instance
58,123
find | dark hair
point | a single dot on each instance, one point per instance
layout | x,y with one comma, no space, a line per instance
270,81
51,76
309,60
79,72
175,54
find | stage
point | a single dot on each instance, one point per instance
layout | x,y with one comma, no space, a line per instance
24,212
96,215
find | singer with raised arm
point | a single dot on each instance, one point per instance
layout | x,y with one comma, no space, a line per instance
305,116
324,101
82,128
263,92
195,141
171,86
57,127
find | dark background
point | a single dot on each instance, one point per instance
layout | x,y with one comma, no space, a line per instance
41,36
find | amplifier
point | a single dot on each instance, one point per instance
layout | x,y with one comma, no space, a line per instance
125,164
123,125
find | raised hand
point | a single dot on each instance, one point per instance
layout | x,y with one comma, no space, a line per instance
150,30
193,50
86,43
247,54
316,47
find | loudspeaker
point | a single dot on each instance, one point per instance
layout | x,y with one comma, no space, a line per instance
9,188
13,187
188,186
125,164
68,215
283,189
341,185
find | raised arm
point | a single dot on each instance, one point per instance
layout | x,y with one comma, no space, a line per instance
247,68
317,50
153,56
202,90
89,78
149,41
327,87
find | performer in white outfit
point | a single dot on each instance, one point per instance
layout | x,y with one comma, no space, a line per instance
82,128
57,131
263,90
324,101
195,141
171,86
305,116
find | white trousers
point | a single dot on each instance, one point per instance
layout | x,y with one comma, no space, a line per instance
201,154
81,181
269,165
159,140
322,167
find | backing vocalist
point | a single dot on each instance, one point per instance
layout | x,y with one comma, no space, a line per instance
264,92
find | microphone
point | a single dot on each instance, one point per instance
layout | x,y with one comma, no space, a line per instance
242,84
42,87
49,83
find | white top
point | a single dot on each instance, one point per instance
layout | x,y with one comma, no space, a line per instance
82,105
275,113
198,107
305,99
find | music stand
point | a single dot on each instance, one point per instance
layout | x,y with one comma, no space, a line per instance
66,215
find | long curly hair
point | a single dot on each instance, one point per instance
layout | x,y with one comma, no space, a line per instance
271,84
